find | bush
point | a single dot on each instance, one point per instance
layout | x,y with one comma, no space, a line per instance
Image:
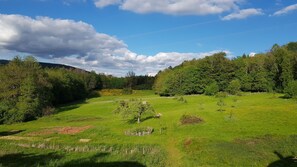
212,89
291,90
221,95
127,91
94,94
234,87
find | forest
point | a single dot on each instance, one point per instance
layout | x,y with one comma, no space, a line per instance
274,71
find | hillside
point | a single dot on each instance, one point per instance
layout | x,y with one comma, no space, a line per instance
47,65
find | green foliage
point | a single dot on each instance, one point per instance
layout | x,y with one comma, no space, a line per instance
234,87
25,90
68,86
267,72
291,90
212,89
127,91
134,109
221,95
138,82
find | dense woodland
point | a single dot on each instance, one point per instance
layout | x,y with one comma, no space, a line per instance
28,91
129,81
274,71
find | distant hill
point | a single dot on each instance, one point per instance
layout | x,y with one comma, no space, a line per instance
48,65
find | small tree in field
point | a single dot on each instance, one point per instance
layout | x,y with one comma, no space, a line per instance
134,109
221,104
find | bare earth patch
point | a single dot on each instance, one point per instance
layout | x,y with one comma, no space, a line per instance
188,142
60,130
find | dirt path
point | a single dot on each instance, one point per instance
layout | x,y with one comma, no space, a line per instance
174,154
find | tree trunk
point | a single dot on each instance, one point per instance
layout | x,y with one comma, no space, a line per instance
138,119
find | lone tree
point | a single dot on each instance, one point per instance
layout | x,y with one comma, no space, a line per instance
135,109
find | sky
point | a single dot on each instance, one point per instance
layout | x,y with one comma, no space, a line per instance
144,36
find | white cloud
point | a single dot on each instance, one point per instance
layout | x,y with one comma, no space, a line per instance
286,10
104,3
78,44
252,54
173,7
46,37
242,14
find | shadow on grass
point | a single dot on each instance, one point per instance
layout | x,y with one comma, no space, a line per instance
133,121
284,97
70,106
12,132
93,162
20,159
289,161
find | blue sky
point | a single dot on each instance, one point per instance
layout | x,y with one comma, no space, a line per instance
115,36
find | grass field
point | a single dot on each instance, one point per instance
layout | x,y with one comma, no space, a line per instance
253,130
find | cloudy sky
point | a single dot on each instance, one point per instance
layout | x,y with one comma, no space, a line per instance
117,36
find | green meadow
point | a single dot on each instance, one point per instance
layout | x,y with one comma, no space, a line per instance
254,129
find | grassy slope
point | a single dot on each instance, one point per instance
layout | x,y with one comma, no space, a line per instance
247,133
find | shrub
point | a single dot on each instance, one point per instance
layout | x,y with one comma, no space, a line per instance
221,95
190,119
291,90
127,91
212,89
234,87
94,94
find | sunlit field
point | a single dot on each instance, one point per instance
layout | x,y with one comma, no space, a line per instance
257,129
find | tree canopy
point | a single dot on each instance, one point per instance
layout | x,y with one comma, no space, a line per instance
271,71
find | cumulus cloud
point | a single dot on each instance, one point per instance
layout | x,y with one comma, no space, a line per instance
286,10
173,7
46,37
78,44
242,14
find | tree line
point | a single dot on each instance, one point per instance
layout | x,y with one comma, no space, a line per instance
131,80
274,71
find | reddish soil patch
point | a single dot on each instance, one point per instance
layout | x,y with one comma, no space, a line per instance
190,119
61,130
